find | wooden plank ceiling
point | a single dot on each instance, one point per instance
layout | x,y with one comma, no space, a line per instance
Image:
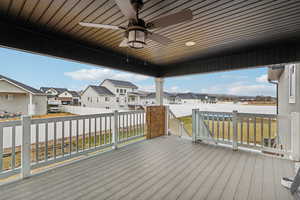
218,26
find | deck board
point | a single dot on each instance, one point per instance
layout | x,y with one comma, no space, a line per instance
162,168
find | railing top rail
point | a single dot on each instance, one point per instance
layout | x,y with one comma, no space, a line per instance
64,118
132,112
256,115
68,118
10,123
239,114
171,113
215,113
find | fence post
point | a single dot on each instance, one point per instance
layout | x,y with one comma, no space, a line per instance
115,130
235,130
181,128
295,135
26,147
1,148
167,119
194,124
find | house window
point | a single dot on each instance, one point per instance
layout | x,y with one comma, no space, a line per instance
117,90
124,91
106,98
121,91
97,100
292,83
117,99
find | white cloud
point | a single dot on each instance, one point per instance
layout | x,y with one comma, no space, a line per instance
148,88
101,74
176,89
214,90
242,88
252,90
181,78
262,79
229,76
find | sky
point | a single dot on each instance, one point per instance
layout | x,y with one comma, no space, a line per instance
43,71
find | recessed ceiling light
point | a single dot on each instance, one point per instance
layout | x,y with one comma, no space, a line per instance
190,43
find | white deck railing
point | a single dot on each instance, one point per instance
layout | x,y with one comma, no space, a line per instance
176,126
253,131
32,143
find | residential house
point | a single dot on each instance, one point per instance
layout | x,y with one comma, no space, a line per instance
287,78
61,96
183,98
69,98
112,94
189,98
168,98
98,97
16,97
137,99
120,89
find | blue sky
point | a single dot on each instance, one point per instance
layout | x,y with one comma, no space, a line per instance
37,71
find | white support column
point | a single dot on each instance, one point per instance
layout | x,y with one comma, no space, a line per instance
115,130
26,147
159,86
30,106
167,120
235,130
295,135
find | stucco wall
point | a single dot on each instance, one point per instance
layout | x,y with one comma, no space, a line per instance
7,87
40,103
17,104
284,107
19,100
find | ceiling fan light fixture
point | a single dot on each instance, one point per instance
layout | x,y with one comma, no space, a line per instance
136,38
190,43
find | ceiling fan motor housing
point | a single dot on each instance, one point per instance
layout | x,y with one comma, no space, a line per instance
137,4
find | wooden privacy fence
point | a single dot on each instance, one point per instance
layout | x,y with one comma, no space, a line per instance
156,121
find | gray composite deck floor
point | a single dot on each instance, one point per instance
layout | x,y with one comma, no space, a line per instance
164,168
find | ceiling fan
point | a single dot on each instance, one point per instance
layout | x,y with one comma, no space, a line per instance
137,30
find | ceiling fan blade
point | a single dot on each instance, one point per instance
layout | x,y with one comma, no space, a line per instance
100,26
172,19
124,43
127,8
159,38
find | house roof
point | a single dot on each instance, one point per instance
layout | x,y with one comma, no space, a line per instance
187,96
21,85
59,90
153,95
121,83
102,90
74,93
